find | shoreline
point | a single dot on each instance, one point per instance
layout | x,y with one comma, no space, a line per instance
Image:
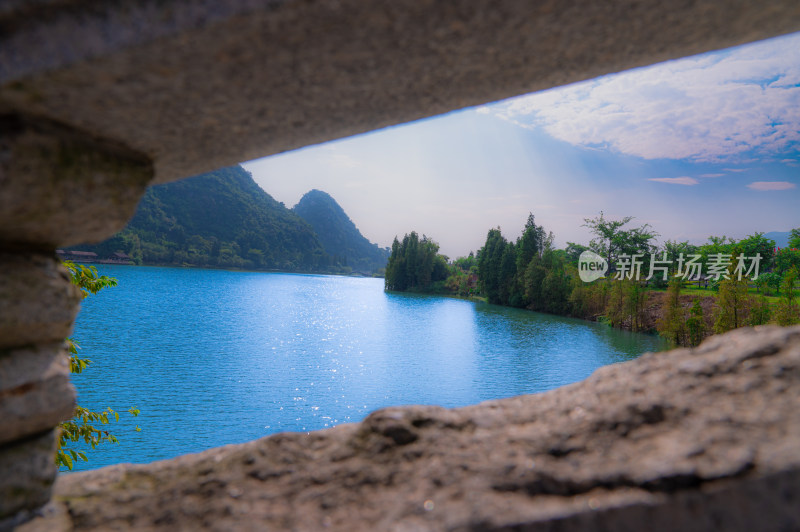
219,268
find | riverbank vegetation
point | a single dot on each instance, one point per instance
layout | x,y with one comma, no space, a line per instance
682,291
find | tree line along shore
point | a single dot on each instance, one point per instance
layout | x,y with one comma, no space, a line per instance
682,291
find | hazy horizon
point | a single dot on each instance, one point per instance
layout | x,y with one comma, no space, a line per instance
700,146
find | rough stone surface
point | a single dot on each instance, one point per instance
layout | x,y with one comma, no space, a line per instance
698,439
61,186
35,391
28,470
96,97
200,84
39,302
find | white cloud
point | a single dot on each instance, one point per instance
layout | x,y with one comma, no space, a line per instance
712,175
683,180
710,108
771,185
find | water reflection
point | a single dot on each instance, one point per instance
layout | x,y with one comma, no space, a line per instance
541,351
216,357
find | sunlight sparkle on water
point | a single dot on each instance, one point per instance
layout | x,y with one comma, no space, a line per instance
227,357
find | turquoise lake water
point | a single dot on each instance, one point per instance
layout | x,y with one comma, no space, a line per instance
214,357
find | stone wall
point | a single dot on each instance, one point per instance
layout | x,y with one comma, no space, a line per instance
703,439
58,186
98,99
200,84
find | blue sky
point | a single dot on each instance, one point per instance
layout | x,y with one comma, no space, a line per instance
707,145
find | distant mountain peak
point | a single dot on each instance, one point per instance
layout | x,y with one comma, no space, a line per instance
339,235
219,219
224,219
781,238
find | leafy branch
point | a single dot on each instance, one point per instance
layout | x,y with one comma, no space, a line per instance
82,425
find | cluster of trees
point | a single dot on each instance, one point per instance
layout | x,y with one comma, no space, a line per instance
530,273
734,307
525,273
675,324
415,265
462,278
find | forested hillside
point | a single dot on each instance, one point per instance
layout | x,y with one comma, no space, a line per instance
219,219
338,234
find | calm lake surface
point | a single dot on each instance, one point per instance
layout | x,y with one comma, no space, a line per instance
215,357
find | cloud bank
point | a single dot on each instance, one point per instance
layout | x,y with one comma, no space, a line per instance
724,106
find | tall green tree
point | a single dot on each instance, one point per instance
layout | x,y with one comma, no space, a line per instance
767,282
794,238
611,240
530,248
696,324
574,251
760,311
758,244
615,312
626,304
556,285
509,291
672,324
588,300
636,297
535,274
785,260
490,259
531,243
788,310
733,304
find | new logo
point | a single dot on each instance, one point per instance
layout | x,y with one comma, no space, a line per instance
591,266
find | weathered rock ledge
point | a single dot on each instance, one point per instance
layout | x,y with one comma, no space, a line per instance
703,439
